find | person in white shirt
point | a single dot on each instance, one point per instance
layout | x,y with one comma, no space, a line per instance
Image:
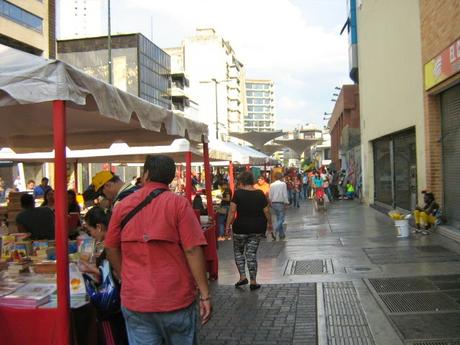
279,200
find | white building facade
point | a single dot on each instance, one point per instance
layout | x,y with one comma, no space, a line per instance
81,18
216,82
260,106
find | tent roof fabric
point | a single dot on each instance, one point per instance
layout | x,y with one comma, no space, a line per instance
298,145
240,154
258,139
98,114
118,153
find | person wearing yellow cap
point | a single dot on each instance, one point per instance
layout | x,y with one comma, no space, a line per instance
109,185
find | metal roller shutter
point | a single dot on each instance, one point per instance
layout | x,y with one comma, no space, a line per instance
450,102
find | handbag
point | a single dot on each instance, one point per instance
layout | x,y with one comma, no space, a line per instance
105,297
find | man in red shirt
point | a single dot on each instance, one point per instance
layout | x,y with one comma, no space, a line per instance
160,257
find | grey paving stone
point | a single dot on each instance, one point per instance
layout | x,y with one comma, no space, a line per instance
276,314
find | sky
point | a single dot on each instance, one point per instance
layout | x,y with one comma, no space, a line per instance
296,43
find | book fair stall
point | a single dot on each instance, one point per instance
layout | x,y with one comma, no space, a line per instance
46,105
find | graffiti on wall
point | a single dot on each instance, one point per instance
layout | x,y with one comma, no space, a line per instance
351,163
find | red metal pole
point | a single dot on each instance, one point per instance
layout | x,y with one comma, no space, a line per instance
208,180
75,176
188,175
231,178
61,233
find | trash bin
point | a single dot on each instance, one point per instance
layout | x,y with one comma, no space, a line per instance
402,228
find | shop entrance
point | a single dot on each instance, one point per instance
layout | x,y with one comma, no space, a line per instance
395,170
450,106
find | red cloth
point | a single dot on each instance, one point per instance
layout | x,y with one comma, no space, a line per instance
319,192
28,326
155,274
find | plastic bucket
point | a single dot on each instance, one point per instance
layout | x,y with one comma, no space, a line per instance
402,228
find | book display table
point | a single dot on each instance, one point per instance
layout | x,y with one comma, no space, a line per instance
38,326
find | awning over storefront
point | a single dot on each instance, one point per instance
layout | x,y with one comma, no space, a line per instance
271,149
257,139
98,114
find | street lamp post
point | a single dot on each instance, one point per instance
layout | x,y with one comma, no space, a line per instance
216,82
217,108
109,41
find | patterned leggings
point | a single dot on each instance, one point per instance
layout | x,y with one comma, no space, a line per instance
245,248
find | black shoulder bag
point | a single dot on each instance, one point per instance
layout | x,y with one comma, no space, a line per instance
139,207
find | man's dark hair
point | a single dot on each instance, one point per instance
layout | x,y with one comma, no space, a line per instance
98,215
27,201
160,168
115,178
246,178
45,179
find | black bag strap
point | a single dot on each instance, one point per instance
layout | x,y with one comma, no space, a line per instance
139,207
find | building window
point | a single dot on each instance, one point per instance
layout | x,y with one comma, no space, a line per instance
20,16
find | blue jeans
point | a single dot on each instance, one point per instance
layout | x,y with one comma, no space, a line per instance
296,198
278,209
305,191
170,328
221,220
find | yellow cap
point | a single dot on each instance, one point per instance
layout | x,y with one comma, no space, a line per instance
100,179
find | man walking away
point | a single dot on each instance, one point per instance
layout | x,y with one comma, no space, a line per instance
159,254
279,200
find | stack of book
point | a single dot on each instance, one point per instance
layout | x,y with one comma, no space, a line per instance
30,295
8,287
19,267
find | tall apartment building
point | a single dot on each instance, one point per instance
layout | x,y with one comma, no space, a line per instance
216,80
81,18
138,65
29,26
182,104
260,106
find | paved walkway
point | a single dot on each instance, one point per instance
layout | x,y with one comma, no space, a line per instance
341,277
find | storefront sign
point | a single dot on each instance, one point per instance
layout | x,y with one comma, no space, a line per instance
443,66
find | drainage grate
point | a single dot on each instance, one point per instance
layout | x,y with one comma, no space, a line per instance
309,267
402,285
427,326
434,249
402,255
419,302
440,342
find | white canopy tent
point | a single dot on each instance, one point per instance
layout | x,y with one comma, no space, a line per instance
48,104
239,154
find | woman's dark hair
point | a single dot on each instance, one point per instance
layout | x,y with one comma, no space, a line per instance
246,178
45,197
160,168
98,215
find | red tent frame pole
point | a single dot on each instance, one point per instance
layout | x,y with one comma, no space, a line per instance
231,178
188,175
61,232
208,180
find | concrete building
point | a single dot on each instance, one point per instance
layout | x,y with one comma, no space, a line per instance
138,65
344,126
180,85
216,81
440,51
29,26
391,102
260,106
81,18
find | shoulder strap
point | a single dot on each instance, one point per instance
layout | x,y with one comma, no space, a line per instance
139,207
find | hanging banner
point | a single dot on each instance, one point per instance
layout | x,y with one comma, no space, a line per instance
443,66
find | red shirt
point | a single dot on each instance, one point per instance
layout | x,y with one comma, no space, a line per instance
154,271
